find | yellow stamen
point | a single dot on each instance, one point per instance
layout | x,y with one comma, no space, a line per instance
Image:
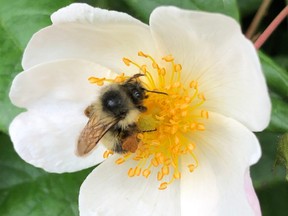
126,61
168,58
119,160
138,171
97,81
204,114
160,176
131,172
107,153
146,173
191,167
163,186
175,116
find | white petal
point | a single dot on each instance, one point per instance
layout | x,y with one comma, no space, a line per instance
212,50
84,13
109,191
56,95
251,194
225,150
101,36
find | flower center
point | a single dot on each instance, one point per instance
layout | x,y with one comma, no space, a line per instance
168,123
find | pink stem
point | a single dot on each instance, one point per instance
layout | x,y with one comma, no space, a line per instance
273,25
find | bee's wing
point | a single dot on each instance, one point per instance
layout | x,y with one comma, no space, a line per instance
94,130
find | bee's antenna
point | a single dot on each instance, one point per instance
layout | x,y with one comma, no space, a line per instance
135,76
156,92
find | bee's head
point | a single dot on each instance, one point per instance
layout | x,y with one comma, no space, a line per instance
135,91
113,101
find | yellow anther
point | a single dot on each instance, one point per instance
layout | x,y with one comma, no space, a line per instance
168,58
177,175
121,78
174,129
201,96
155,65
176,85
154,162
107,153
185,128
187,99
191,146
175,149
146,173
163,186
159,157
165,170
126,61
155,142
200,127
137,158
177,140
160,176
167,161
138,171
131,172
184,113
120,161
178,67
162,71
193,126
97,81
204,114
184,106
140,53
191,167
193,84
143,68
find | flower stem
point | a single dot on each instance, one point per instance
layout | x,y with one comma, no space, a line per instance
269,30
257,19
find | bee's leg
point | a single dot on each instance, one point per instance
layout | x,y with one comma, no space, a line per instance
88,110
118,148
147,131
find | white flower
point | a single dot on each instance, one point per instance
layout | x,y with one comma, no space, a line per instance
217,66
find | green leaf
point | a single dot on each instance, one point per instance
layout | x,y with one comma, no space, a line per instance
29,191
282,153
279,119
277,77
144,8
273,199
262,173
247,7
282,61
18,21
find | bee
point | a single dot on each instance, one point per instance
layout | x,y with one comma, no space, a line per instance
113,117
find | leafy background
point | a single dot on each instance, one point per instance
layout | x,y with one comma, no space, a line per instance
26,190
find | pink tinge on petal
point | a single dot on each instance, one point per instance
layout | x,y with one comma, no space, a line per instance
251,195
